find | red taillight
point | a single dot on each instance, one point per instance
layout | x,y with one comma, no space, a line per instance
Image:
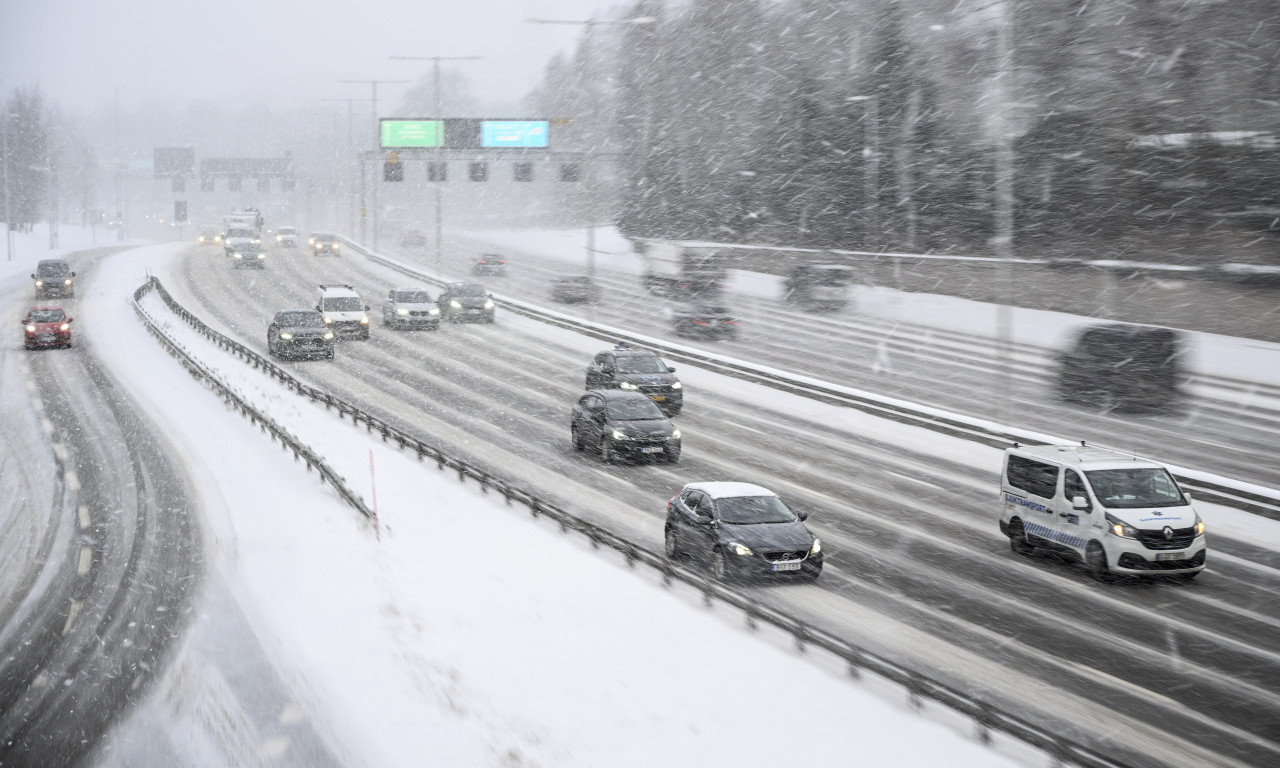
701,322
730,322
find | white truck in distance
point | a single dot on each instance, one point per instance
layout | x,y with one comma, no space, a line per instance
680,271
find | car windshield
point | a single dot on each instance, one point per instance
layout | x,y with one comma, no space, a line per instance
411,297
301,319
470,289
47,316
1134,488
750,510
633,409
641,364
343,304
53,269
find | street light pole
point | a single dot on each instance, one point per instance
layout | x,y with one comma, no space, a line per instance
593,109
376,142
351,165
8,209
435,97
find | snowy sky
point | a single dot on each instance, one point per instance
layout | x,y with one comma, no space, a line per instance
80,51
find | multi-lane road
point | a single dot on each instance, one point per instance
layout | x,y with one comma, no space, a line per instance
1156,673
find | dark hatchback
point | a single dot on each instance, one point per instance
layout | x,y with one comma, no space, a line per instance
619,424
466,302
46,328
705,321
741,530
638,370
249,256
300,333
53,278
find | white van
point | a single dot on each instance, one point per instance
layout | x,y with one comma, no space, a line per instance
1113,512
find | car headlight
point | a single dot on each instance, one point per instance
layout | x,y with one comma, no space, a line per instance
620,435
279,239
675,434
328,335
67,281
455,304
739,549
334,246
39,283
66,327
1199,526
286,335
238,256
676,386
433,311
364,319
627,385
488,305
328,320
262,255
817,546
1121,529
31,329
401,311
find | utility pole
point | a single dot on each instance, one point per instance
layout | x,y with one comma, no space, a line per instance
435,96
8,209
1004,200
351,167
593,135
377,141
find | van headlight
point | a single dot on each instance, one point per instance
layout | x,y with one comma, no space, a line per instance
739,549
627,385
401,311
1199,526
817,546
1121,528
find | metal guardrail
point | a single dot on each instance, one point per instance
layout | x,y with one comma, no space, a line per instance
1263,502
264,422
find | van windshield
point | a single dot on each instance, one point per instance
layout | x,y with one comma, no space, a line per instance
1135,488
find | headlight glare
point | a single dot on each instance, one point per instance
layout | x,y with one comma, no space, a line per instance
401,311
676,386
627,385
433,311
31,329
456,304
364,320
740,549
67,281
328,335
675,435
620,435
488,305
817,546
1120,528
65,327
328,320
286,335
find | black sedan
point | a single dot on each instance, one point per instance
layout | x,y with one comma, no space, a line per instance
466,302
741,530
574,289
248,256
616,423
705,321
300,333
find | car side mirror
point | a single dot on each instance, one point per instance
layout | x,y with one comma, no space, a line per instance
69,319
1079,502
670,369
366,307
33,276
802,515
73,274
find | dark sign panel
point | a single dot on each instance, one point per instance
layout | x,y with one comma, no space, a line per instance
174,161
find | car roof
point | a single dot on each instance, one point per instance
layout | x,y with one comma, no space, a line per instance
718,489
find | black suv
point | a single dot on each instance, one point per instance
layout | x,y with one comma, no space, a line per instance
639,370
300,333
249,255
323,244
53,278
465,302
623,424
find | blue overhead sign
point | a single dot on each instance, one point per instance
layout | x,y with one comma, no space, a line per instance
513,133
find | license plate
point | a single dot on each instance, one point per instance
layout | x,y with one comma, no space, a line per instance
1171,556
786,566
654,449
657,398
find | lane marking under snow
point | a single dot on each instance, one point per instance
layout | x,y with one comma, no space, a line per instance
72,615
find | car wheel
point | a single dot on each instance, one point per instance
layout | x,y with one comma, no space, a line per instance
1018,539
576,438
1095,559
671,543
719,568
606,450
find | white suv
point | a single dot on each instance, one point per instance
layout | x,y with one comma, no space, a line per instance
344,311
287,237
1114,512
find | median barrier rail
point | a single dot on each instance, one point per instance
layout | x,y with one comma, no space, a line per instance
1251,498
987,716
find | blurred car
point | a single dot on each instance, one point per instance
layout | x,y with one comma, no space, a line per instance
287,237
466,302
410,308
413,238
705,321
638,370
46,327
53,278
571,289
323,244
490,264
617,423
817,287
1123,367
249,255
741,530
300,333
210,237
343,311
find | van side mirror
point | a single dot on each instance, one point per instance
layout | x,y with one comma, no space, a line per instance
1079,502
1187,495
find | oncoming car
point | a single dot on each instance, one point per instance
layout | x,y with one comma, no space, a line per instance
571,289
638,370
249,255
466,302
740,529
1113,512
300,333
343,311
622,424
46,327
53,278
287,237
323,244
410,308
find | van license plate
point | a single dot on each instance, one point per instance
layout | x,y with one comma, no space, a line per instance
786,566
1171,556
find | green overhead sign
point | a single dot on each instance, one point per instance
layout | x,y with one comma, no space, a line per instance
403,134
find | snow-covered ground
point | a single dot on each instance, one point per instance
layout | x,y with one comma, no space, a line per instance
464,630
